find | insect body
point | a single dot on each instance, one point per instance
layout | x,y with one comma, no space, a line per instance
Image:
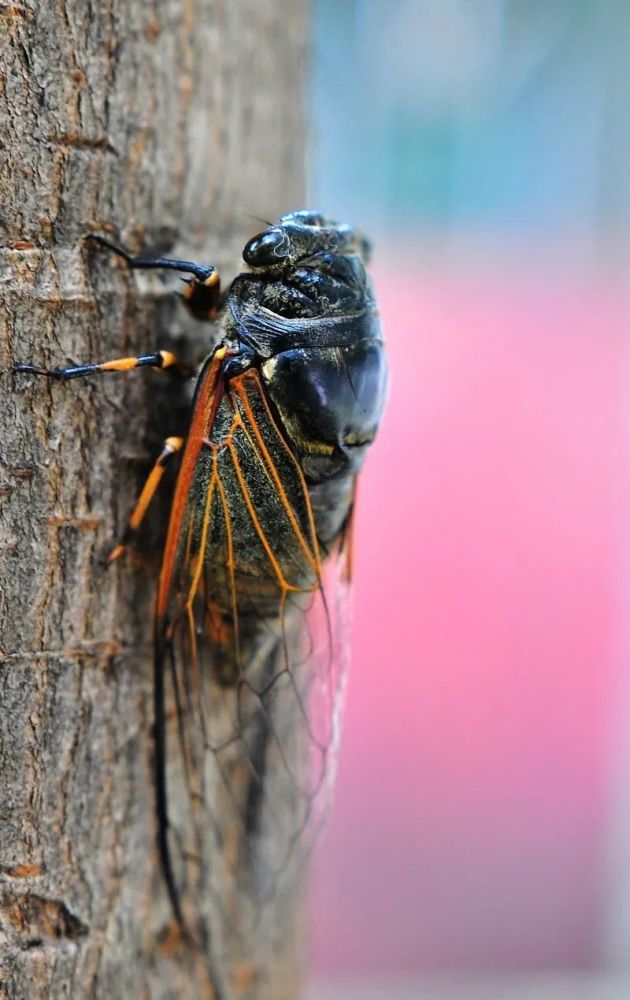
249,614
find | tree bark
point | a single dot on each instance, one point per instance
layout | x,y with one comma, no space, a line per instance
164,122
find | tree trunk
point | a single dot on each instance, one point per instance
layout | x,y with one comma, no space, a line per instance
164,122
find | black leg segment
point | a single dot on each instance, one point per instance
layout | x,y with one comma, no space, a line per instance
203,290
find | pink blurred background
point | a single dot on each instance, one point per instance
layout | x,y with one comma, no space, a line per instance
482,816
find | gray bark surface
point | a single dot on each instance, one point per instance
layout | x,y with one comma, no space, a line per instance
165,122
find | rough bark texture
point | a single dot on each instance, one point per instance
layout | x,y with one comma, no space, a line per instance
164,121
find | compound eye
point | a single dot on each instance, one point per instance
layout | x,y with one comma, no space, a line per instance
269,248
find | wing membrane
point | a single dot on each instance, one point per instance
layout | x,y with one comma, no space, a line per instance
249,659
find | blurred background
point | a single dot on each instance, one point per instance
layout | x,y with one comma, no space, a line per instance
479,847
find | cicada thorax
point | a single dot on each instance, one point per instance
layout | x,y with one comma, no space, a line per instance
314,332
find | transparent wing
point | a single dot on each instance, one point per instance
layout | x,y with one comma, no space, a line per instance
251,646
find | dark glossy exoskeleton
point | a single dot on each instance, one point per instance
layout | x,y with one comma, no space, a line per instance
307,313
250,628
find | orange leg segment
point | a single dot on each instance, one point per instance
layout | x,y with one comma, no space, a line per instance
160,359
171,446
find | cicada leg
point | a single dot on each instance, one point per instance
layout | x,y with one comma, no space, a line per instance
160,359
171,446
203,292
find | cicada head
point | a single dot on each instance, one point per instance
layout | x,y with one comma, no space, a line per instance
300,236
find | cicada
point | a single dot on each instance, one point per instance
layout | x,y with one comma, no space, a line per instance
251,608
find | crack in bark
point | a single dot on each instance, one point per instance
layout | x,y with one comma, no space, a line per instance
35,921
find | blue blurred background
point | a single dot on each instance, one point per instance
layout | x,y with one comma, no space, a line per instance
480,842
442,114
